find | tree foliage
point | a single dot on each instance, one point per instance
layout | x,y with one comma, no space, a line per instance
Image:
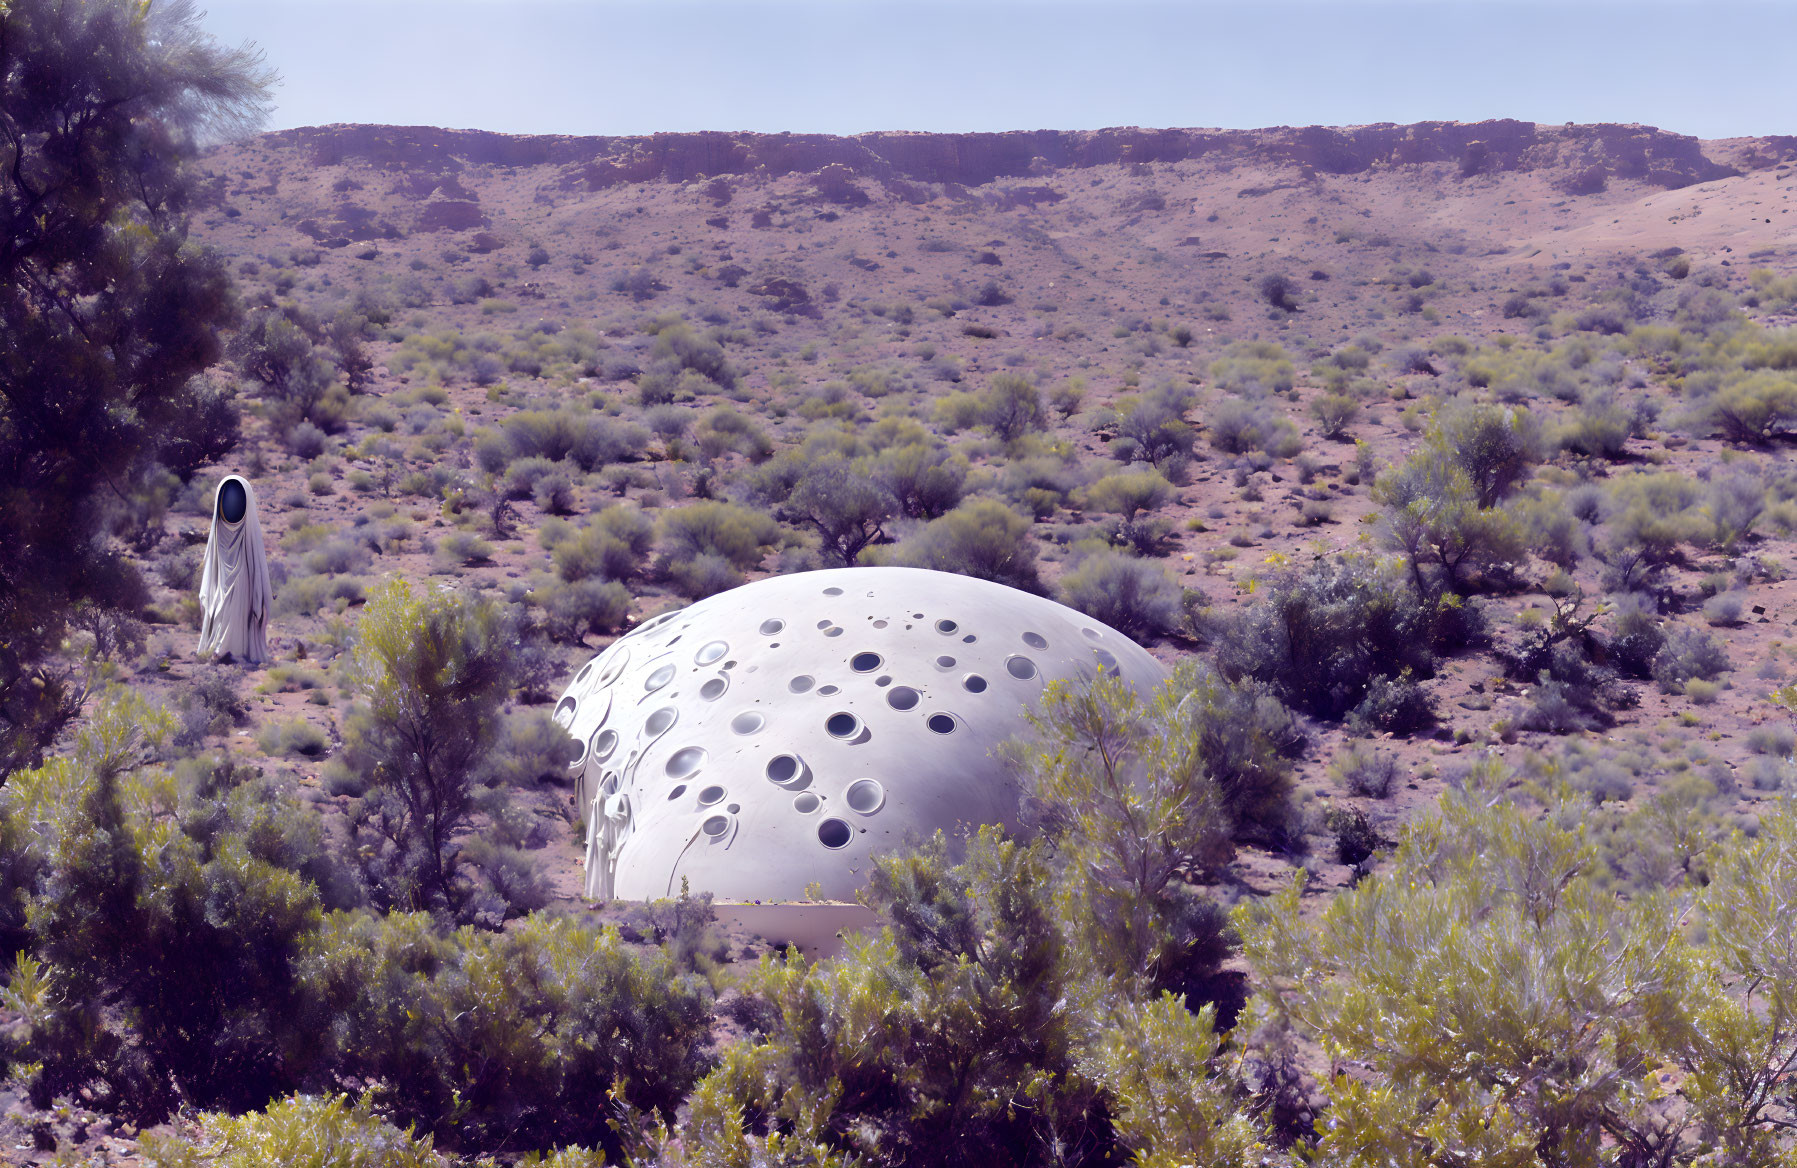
108,313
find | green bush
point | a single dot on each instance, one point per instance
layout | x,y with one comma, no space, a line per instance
499,1040
707,542
1334,413
432,672
613,546
300,1131
1364,770
1321,637
1688,652
981,538
1133,596
294,736
949,1038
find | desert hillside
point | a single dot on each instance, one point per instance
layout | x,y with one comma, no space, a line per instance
1451,462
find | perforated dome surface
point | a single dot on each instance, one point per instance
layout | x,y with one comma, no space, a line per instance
780,733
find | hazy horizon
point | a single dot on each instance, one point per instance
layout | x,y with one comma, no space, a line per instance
619,67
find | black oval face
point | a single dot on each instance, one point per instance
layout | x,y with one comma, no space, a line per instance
233,501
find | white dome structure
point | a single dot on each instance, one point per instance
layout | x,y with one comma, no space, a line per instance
773,737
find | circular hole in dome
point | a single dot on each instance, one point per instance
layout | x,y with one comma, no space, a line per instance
685,761
807,803
582,675
784,768
709,652
619,659
714,689
842,725
564,712
945,662
715,826
771,626
1106,659
1091,633
883,680
575,752
801,683
974,683
710,795
734,808
677,792
832,591
826,690
865,662
610,785
659,678
833,631
824,624
658,722
1020,667
604,743
903,697
879,624
941,723
865,796
834,833
1035,640
945,627
969,639
747,723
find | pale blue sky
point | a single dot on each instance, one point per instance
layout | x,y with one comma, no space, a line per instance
1716,69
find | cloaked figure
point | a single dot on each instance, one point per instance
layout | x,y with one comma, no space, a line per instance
234,589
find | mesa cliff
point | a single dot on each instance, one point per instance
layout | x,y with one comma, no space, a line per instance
1577,155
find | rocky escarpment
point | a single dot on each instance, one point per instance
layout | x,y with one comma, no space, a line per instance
1579,157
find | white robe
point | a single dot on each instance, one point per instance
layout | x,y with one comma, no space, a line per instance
234,589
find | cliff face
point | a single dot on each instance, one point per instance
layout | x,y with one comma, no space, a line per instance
1580,154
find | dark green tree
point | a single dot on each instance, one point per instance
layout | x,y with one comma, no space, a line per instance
108,313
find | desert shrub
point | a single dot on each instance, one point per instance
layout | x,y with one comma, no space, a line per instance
1152,428
1010,406
1355,839
1133,596
173,963
572,609
927,481
1687,653
1607,988
975,1056
1753,407
1334,413
1724,608
1143,792
1433,515
300,1131
1320,637
1364,770
1553,531
698,540
306,440
1392,705
295,736
584,438
723,430
981,538
1238,426
687,350
846,507
461,549
706,574
614,545
1280,291
432,671
1253,368
497,1039
211,705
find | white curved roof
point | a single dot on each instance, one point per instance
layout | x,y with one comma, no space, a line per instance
778,734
